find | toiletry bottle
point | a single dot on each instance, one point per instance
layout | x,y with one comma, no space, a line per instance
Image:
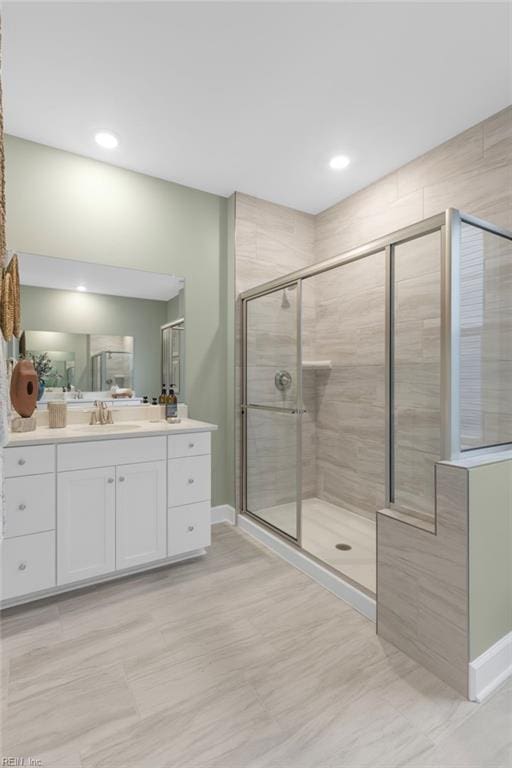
171,408
163,397
154,401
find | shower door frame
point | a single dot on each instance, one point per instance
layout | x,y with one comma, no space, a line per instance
295,412
448,224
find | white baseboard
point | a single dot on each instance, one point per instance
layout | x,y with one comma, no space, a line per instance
329,580
223,514
490,669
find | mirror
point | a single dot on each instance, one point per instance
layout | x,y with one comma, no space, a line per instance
101,332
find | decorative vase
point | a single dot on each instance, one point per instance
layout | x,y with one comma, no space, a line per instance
24,388
40,389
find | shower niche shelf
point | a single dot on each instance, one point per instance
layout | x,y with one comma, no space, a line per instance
316,365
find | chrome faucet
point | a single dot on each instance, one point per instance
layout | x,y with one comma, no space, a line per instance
101,414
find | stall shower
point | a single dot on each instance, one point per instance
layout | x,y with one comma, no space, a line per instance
362,372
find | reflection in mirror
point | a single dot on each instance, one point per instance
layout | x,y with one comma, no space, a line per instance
173,345
102,328
86,362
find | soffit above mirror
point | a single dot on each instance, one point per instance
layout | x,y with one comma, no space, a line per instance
68,274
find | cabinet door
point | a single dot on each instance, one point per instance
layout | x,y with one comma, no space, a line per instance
140,513
85,523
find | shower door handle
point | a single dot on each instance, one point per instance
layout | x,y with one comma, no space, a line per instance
283,380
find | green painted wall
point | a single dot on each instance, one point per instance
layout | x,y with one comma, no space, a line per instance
490,545
45,309
230,299
64,205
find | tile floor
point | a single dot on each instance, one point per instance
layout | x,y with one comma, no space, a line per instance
323,526
234,660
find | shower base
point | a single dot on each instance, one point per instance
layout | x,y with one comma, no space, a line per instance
324,526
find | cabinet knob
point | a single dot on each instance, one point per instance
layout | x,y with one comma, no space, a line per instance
110,480
121,479
191,528
191,445
190,480
22,507
22,566
21,462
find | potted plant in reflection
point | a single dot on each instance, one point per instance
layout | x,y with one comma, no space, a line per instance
43,366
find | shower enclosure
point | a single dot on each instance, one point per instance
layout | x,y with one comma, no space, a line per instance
109,368
362,372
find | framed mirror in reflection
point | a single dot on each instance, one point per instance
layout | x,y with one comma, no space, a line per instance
102,332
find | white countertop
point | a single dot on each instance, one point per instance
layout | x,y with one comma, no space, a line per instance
78,433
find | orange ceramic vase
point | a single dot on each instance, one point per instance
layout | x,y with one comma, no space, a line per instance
24,387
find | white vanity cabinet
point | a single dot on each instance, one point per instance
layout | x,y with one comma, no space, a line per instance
112,517
80,511
28,523
86,523
189,484
141,512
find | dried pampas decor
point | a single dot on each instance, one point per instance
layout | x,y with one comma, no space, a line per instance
13,270
4,396
9,274
7,305
10,315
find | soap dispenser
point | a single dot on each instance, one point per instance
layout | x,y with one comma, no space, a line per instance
171,407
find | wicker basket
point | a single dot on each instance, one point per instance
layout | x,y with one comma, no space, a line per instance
57,415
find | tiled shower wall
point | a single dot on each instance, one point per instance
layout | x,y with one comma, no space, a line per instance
348,329
270,241
473,172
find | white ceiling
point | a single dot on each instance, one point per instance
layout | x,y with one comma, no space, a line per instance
255,97
67,274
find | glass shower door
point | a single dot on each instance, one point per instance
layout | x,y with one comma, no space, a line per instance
272,408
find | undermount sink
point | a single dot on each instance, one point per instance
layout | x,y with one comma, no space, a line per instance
123,427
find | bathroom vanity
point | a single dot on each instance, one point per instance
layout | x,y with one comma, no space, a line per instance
89,503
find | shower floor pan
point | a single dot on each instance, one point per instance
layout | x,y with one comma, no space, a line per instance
324,527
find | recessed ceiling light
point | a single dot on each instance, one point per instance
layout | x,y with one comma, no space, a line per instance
81,288
106,139
339,162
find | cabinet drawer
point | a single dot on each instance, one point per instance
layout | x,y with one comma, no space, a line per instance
190,444
188,528
29,505
104,453
29,460
188,480
28,564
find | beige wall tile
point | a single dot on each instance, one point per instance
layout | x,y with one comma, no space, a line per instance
422,582
449,159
